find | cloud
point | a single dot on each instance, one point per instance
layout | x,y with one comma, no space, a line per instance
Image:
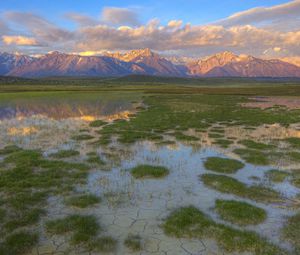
119,29
120,16
175,23
3,27
39,27
81,20
19,40
263,15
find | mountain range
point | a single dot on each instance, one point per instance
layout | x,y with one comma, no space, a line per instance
145,62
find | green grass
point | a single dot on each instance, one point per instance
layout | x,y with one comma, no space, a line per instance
28,180
224,143
296,178
65,154
255,145
148,171
83,201
82,137
24,218
97,123
82,228
291,232
18,243
133,242
223,165
230,185
240,213
276,175
9,149
293,141
253,156
182,137
95,160
189,222
104,244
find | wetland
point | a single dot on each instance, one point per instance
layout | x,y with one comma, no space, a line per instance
150,170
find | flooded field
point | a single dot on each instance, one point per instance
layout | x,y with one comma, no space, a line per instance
134,173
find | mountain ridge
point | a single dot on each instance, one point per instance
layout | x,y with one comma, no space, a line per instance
143,62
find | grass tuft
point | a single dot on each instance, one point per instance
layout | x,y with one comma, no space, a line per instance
223,165
148,171
65,154
133,242
189,222
230,185
240,213
83,201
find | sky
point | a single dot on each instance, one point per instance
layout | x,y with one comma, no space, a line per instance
193,28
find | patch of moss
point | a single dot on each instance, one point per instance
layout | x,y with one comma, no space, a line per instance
65,154
148,171
83,201
189,222
240,213
133,242
223,165
230,185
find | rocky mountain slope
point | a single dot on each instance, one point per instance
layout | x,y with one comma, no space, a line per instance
145,62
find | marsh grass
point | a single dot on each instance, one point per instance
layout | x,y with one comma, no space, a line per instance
97,123
291,232
250,144
82,137
95,160
189,222
276,175
27,182
182,137
133,242
104,244
18,243
223,165
240,213
224,143
253,156
9,149
148,171
83,201
65,154
83,228
293,141
230,185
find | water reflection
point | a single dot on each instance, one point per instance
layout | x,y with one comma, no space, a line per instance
86,106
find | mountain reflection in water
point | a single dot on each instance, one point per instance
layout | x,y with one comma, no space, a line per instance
86,108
